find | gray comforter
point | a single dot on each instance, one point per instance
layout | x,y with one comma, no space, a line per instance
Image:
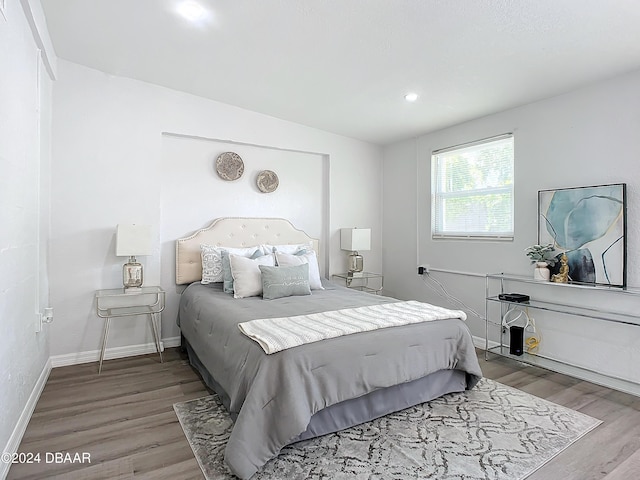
273,397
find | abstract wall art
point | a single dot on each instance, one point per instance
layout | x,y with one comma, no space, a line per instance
589,225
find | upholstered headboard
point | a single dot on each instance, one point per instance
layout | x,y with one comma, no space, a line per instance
233,232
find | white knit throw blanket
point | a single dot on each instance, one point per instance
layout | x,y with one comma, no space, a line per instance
276,334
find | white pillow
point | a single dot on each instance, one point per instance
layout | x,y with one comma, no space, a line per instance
289,249
247,278
285,260
212,269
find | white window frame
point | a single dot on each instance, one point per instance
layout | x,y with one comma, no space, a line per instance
438,194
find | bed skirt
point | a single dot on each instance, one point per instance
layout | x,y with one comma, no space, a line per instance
362,409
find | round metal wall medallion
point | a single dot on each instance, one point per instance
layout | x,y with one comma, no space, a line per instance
229,166
267,181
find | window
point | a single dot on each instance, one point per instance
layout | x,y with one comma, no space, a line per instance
472,190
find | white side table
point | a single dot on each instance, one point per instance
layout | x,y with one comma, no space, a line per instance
114,303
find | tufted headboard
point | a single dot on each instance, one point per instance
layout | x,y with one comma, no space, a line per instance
233,232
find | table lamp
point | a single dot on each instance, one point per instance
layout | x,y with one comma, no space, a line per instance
354,240
132,240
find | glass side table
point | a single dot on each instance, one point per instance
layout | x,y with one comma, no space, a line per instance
117,302
360,281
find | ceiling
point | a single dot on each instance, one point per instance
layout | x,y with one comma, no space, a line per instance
344,66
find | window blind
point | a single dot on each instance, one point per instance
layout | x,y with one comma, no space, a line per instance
472,190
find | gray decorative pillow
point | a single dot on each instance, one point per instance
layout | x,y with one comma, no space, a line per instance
278,282
227,278
211,264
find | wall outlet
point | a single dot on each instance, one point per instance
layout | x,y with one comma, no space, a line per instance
423,269
44,318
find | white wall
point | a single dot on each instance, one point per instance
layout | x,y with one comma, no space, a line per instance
587,137
110,131
300,197
25,99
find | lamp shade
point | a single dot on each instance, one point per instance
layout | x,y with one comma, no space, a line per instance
355,239
132,240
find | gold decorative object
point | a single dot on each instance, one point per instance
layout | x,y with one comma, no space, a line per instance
563,275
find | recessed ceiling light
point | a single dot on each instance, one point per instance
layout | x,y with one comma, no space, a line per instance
411,97
191,10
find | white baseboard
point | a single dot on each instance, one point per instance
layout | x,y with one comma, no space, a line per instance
111,353
25,417
171,342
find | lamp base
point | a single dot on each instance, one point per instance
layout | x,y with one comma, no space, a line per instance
132,275
356,264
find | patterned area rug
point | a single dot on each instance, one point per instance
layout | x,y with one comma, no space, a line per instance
491,432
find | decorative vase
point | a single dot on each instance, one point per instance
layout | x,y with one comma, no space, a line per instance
541,272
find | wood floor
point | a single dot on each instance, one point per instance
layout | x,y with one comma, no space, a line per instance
125,420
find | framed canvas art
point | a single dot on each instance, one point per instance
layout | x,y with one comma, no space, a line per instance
589,225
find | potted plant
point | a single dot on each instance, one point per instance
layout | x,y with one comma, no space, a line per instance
543,256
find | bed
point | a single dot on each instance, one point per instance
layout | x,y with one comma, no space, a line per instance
315,388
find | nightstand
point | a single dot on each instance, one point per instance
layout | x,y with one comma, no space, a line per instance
117,302
360,281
